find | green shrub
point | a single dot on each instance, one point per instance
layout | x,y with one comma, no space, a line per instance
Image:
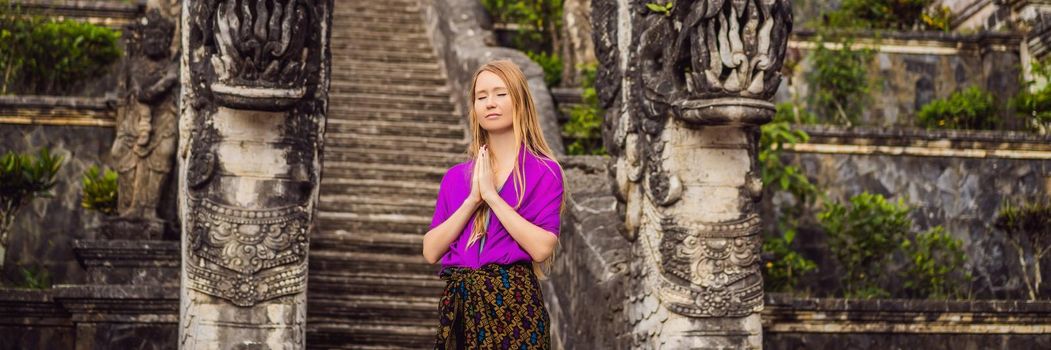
539,21
840,81
1028,230
888,14
34,278
933,270
46,56
552,65
100,190
22,179
785,266
865,238
583,131
1036,105
972,108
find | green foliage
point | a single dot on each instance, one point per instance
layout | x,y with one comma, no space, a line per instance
938,18
100,190
1028,231
22,179
45,56
883,14
583,131
1036,104
785,266
972,108
840,80
35,278
865,238
861,239
664,9
540,20
552,65
933,270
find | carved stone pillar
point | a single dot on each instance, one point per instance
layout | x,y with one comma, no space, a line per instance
255,79
686,87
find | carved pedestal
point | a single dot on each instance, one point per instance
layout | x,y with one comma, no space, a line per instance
255,83
685,93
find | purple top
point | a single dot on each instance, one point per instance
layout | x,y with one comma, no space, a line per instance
540,206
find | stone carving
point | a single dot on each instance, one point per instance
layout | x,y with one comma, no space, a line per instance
252,120
144,148
682,128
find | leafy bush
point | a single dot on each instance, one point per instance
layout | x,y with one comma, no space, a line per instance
35,278
865,238
1028,230
22,179
1036,104
933,270
840,81
552,65
785,266
972,108
100,190
539,21
46,56
583,131
889,14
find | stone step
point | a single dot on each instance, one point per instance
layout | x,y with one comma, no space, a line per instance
410,89
389,78
351,46
442,160
338,127
352,113
376,8
375,308
380,56
368,224
357,262
331,185
359,65
356,170
381,282
333,334
346,205
390,142
373,27
389,101
370,17
364,241
340,36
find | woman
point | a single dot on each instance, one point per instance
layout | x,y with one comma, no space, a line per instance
496,221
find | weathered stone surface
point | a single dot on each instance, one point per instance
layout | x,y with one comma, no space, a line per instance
31,319
43,231
577,48
456,29
586,290
957,179
135,262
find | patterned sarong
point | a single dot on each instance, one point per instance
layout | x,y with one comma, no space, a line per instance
494,307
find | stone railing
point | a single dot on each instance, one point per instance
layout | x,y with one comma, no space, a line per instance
789,322
114,14
457,29
58,110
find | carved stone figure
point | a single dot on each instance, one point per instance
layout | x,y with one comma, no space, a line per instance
146,127
682,127
254,108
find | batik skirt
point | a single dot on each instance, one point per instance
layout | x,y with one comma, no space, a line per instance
494,307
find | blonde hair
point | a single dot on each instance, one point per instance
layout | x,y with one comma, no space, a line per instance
526,129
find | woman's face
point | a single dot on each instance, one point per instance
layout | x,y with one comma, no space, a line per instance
492,103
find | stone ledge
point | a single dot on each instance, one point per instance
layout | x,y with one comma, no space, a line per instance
108,13
31,307
127,253
58,110
120,303
922,142
784,313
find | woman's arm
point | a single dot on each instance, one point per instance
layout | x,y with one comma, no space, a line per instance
436,241
538,242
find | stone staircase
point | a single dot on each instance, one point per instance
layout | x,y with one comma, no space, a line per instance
392,132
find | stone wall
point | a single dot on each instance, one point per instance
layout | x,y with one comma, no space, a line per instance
957,179
910,70
585,291
791,323
80,131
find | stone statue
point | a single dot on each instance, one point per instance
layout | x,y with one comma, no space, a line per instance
683,129
146,126
256,78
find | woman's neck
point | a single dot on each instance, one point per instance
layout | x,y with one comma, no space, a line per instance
503,149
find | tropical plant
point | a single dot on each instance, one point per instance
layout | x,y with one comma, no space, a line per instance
583,131
100,190
1035,103
1028,231
22,179
972,108
840,79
